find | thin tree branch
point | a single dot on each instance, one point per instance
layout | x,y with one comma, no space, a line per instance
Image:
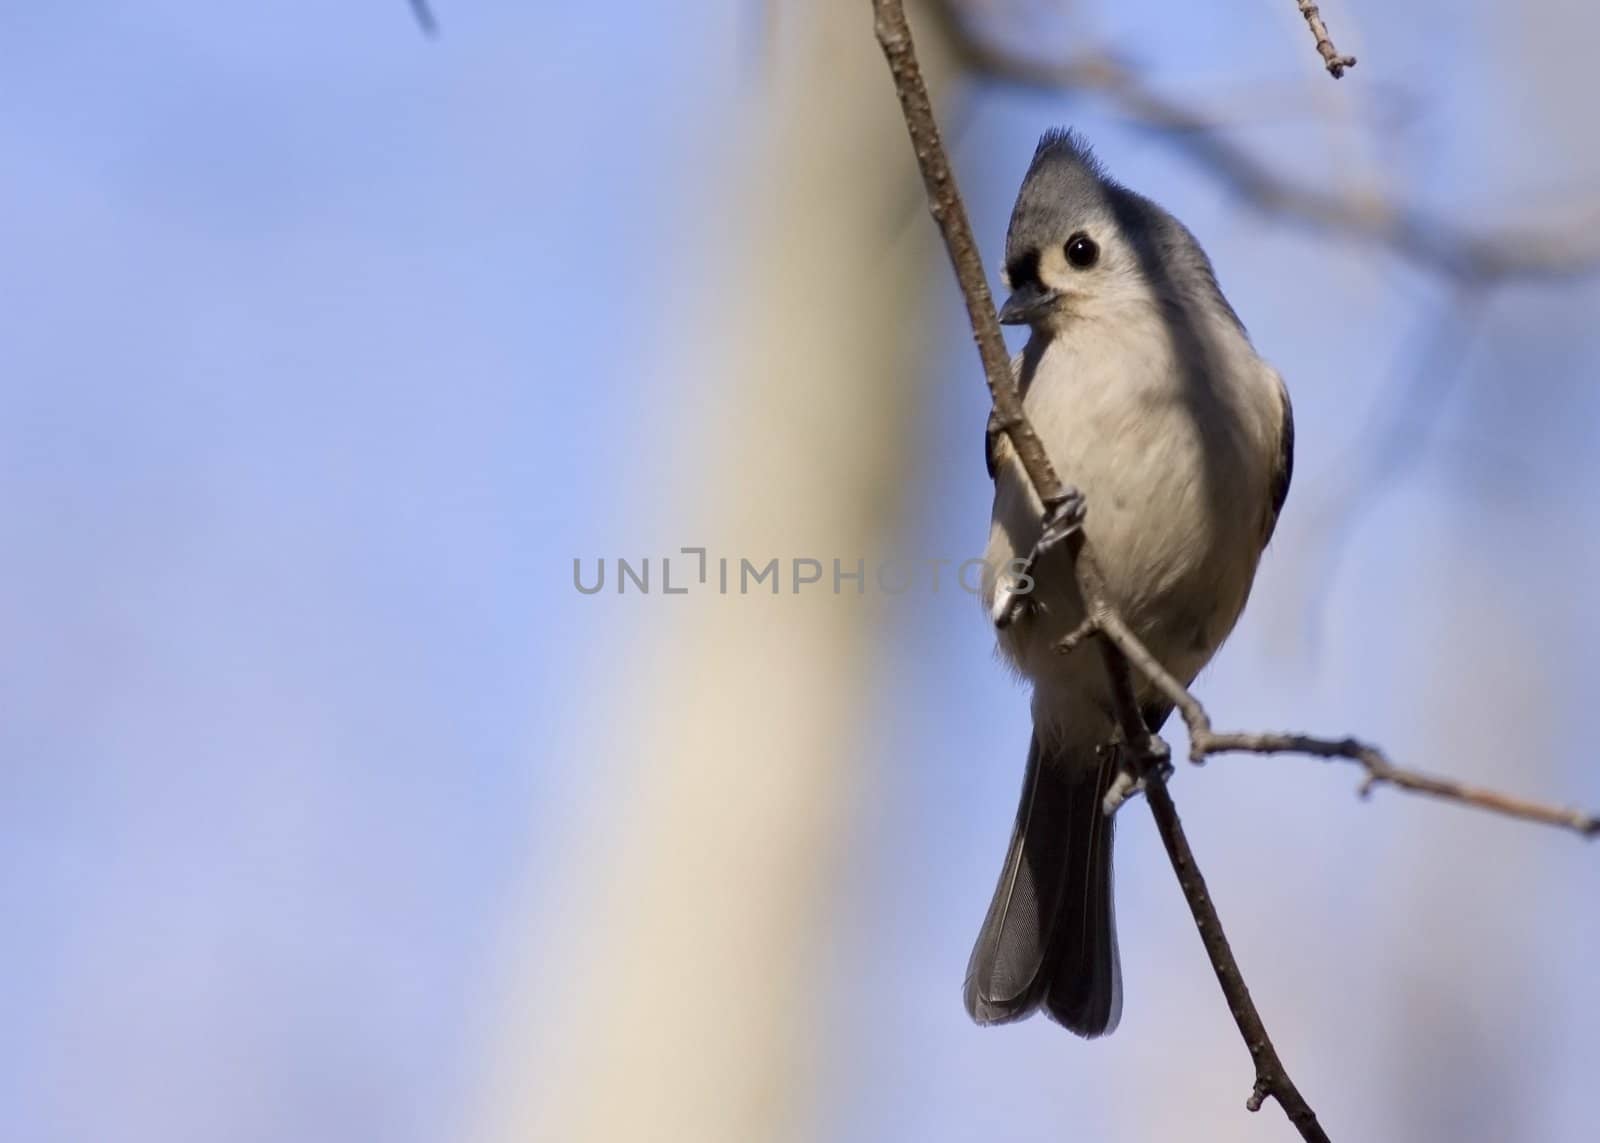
1331,59
1204,742
948,210
1380,772
1271,1078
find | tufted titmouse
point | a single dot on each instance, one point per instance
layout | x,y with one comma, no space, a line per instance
1145,390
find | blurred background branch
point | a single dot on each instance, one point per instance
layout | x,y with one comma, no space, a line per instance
1569,248
423,11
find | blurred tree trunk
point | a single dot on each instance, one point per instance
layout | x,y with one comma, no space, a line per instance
685,996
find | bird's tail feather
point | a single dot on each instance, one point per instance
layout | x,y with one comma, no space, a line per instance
1050,936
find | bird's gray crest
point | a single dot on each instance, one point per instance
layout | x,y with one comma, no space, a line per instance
1062,146
1067,189
1065,182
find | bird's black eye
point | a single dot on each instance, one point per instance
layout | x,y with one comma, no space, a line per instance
1082,251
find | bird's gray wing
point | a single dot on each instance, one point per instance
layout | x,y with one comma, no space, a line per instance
1283,466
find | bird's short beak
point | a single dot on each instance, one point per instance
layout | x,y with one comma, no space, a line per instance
1028,303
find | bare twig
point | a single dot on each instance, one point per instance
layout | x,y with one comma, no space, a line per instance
1331,59
1381,772
1204,742
949,212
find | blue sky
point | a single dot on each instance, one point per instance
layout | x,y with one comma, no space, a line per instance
324,348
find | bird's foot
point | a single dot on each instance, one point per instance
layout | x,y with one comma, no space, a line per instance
1127,785
1061,520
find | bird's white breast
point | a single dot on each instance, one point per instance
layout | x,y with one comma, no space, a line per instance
1174,455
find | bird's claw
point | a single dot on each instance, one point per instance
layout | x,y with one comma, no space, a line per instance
1064,517
1125,785
1061,520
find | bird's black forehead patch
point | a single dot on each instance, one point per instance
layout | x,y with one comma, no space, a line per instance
1022,269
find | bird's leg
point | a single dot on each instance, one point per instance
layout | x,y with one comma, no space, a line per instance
1126,784
1062,518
